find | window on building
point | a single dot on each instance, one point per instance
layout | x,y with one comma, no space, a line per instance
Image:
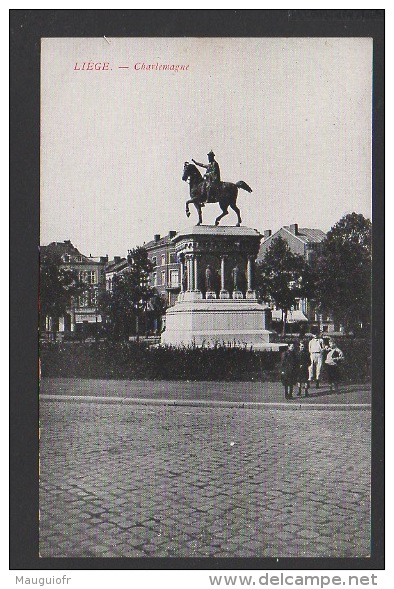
154,279
83,300
90,277
174,278
163,278
66,258
173,259
78,259
154,261
311,255
145,278
163,259
94,297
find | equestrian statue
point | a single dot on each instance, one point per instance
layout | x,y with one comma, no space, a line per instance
210,189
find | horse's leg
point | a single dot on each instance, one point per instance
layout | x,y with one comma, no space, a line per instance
191,201
233,205
188,202
199,211
225,212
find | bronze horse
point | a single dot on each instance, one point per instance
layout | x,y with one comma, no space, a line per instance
226,196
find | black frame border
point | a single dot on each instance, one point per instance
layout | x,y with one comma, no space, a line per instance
26,29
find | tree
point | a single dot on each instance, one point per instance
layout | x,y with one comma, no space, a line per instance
344,272
284,277
58,286
130,294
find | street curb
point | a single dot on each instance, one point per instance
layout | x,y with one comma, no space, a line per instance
294,405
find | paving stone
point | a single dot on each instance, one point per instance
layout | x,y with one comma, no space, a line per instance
105,469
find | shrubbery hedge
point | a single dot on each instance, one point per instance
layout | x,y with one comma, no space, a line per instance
132,361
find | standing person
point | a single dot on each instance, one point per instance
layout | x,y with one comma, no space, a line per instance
315,347
288,371
303,369
211,177
334,359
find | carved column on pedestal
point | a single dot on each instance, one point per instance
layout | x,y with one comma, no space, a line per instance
195,281
191,264
250,293
192,278
249,270
183,284
224,294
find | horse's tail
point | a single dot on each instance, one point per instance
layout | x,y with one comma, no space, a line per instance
244,186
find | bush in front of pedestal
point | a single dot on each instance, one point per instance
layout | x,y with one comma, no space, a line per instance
131,360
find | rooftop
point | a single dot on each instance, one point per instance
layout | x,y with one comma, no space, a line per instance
308,235
57,249
117,264
160,240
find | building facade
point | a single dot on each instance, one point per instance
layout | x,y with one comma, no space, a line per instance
166,274
114,267
82,314
306,243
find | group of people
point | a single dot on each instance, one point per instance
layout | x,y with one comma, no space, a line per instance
299,367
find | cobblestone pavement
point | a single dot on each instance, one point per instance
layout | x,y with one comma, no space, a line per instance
164,481
257,392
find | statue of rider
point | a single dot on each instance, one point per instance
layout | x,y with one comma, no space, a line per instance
211,177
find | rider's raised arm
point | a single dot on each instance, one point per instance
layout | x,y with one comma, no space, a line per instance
201,165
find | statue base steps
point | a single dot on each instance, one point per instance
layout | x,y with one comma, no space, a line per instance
240,322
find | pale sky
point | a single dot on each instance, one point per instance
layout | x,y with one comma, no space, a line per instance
291,117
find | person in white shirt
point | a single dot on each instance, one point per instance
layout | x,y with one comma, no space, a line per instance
334,359
316,347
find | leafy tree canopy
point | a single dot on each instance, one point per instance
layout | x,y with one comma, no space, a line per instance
284,277
130,293
138,276
344,271
351,230
58,285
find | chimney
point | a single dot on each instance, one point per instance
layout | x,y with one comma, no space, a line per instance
171,234
267,233
104,259
157,237
116,259
294,229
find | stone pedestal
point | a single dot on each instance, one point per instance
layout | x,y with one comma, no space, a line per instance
204,313
191,295
217,321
